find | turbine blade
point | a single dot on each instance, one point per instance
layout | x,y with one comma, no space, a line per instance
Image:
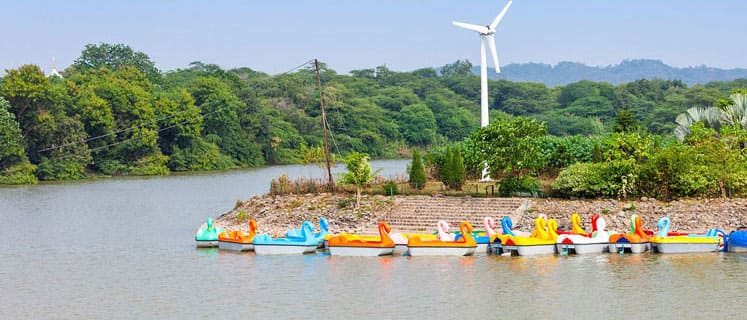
473,27
491,43
500,16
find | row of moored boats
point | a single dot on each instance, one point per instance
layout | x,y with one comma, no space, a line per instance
544,239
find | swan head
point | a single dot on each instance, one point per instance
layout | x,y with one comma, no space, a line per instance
663,226
307,229
209,224
323,225
489,222
601,224
383,226
594,225
252,226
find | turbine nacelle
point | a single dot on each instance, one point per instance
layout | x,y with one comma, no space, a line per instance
486,35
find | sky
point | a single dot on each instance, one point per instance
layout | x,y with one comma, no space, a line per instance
274,36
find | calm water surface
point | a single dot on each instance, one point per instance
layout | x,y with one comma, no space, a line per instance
123,248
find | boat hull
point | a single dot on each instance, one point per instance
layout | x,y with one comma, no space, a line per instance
235,246
360,251
482,248
684,247
400,249
206,243
529,250
278,249
629,247
582,248
441,251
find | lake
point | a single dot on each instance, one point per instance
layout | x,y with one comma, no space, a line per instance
124,248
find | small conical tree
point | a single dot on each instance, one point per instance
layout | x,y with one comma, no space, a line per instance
417,171
459,172
596,154
447,168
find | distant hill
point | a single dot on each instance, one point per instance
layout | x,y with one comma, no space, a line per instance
627,71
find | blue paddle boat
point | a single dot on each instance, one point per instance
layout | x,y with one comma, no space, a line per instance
207,237
297,234
737,240
306,243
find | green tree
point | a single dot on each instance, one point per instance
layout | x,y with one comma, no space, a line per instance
11,142
459,170
418,124
358,174
113,57
625,121
417,171
508,146
460,68
14,166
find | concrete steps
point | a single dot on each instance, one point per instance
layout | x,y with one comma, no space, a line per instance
421,213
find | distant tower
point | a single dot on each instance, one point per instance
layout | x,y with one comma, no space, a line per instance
54,68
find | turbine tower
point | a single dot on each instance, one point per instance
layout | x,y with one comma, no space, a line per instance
486,38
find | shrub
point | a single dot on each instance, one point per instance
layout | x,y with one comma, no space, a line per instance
509,185
151,165
19,174
617,178
242,216
390,188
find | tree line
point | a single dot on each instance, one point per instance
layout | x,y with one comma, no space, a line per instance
114,113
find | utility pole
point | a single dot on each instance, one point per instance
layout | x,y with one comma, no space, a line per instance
330,182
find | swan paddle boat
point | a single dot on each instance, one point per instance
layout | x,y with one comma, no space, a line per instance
737,240
485,238
207,237
354,245
464,246
307,243
401,239
663,242
297,234
581,244
637,241
497,240
238,240
542,241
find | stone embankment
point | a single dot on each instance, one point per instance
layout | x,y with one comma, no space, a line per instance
275,215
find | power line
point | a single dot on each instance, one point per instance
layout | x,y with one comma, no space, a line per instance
140,137
142,125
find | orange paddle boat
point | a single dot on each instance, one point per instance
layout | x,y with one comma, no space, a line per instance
369,246
238,240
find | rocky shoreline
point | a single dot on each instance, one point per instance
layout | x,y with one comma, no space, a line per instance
275,215
687,215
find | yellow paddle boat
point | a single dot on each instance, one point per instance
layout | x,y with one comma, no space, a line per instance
464,246
542,241
662,242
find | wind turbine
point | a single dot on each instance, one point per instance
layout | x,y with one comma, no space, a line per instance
486,38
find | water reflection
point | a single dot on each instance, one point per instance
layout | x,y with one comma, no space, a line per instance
140,254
